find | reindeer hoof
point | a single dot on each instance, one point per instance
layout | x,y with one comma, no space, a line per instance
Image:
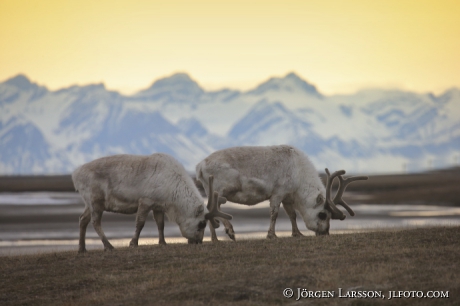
109,248
230,233
162,242
133,244
297,234
271,236
82,251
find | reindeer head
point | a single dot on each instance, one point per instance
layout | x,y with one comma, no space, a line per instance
323,214
213,205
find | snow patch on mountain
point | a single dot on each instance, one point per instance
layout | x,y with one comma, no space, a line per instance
44,131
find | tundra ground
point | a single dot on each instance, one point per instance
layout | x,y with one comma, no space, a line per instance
248,272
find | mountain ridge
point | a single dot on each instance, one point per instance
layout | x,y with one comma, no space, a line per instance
370,131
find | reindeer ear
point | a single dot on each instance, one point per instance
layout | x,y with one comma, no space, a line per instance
319,200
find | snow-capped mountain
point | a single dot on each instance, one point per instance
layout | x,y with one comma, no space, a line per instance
178,89
45,132
270,124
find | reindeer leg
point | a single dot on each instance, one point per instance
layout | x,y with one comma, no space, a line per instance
96,216
159,217
142,213
213,232
292,216
275,203
84,220
228,228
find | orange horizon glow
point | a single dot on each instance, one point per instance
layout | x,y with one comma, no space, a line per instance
339,46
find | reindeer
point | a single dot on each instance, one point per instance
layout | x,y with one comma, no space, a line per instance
130,183
280,174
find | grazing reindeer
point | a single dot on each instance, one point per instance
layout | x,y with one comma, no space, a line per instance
280,174
130,183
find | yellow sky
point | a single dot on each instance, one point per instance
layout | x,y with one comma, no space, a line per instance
340,46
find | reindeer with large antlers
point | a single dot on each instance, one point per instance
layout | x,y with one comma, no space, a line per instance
131,183
280,174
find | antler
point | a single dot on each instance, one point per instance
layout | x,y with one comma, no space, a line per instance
343,183
213,205
210,191
336,213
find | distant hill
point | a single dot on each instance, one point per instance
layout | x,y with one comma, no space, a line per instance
373,131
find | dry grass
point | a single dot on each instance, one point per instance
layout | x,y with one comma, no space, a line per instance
246,273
